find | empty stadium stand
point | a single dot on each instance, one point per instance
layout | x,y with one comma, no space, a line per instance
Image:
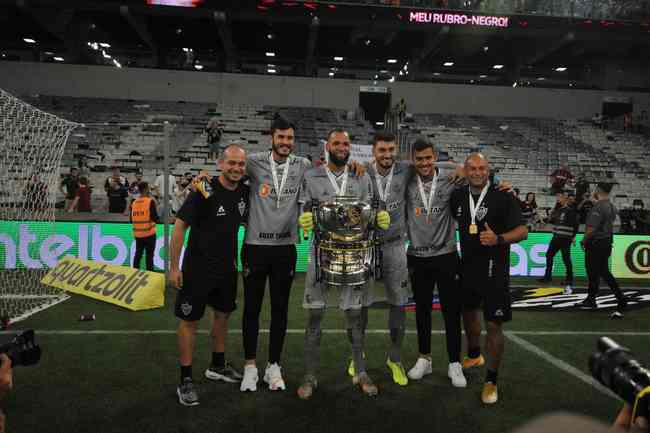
132,135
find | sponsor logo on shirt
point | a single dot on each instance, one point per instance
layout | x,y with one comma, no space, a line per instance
221,211
421,211
265,190
481,213
392,206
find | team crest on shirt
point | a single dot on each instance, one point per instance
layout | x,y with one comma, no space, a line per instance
186,308
242,207
481,213
265,190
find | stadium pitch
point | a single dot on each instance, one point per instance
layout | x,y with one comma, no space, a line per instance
119,373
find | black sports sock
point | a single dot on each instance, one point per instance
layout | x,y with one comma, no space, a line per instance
186,372
492,376
218,359
474,352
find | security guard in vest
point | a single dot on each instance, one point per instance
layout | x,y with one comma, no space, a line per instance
565,227
144,218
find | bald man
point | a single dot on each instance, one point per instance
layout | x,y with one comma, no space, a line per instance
209,274
489,221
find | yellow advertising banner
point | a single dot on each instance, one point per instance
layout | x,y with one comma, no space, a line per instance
120,285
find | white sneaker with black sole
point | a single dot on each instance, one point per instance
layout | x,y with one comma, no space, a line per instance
186,392
226,373
249,382
455,373
421,368
273,376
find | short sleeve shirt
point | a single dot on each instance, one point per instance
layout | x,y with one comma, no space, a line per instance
394,201
601,218
273,221
214,225
431,232
500,211
317,186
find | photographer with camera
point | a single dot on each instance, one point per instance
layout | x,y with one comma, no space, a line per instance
613,366
21,350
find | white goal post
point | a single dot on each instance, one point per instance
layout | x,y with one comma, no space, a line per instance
31,146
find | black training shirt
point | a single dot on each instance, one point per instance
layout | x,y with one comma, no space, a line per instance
214,224
499,209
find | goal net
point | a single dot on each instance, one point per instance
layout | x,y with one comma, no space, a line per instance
31,147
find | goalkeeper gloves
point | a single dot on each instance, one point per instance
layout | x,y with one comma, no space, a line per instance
383,219
306,221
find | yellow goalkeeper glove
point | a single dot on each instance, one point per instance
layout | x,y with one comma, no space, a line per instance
306,221
383,219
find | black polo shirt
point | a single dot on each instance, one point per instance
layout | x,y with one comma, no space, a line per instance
502,212
214,225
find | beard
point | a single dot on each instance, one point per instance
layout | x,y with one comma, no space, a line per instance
386,163
339,162
285,149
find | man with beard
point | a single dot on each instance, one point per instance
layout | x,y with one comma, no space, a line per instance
209,274
269,249
322,184
388,179
488,222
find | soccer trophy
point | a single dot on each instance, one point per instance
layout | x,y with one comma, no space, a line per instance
346,242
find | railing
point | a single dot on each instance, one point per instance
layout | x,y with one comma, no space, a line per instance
599,9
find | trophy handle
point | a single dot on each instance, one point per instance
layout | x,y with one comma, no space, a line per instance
317,262
376,243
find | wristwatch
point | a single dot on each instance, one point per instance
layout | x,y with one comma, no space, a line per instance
500,240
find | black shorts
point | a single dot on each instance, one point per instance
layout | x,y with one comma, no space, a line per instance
486,288
219,292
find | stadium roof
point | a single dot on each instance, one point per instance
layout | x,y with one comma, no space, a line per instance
326,39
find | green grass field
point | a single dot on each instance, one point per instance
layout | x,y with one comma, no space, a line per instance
123,378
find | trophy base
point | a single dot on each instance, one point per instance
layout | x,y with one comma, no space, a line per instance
337,279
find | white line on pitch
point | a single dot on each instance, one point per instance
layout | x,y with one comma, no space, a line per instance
567,368
302,331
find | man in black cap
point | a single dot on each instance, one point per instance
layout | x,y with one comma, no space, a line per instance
597,243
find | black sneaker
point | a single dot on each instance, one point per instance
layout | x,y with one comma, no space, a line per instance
622,304
226,373
187,395
588,303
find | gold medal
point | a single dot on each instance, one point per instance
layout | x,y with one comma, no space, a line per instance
473,229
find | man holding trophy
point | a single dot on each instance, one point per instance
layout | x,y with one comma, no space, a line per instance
338,205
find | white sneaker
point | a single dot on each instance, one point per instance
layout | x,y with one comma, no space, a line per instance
455,373
273,376
568,289
249,382
421,368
